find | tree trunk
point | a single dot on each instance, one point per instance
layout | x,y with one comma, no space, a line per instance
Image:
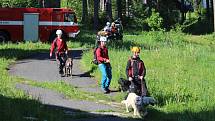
183,14
158,5
88,7
102,5
84,11
127,8
96,14
195,5
208,9
119,8
109,10
213,12
50,3
144,1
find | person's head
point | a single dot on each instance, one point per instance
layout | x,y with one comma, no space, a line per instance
103,41
113,24
108,24
136,51
59,33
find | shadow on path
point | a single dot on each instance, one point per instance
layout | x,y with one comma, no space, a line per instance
34,110
30,110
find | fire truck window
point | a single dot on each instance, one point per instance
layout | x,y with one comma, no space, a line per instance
69,18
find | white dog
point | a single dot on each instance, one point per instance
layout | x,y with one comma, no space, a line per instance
137,103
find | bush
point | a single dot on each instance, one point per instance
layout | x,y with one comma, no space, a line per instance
19,3
155,21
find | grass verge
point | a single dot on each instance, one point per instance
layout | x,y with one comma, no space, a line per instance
179,72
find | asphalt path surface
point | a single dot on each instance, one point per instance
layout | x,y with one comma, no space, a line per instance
39,67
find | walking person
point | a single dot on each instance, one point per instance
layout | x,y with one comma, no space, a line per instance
104,64
136,71
62,50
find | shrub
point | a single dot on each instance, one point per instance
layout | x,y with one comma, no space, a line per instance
19,3
155,21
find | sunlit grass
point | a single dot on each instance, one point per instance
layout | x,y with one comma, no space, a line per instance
179,74
14,104
179,71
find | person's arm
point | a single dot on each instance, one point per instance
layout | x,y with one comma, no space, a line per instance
53,45
142,69
105,28
107,56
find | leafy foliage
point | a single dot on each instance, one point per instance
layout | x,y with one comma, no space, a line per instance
155,21
76,5
19,3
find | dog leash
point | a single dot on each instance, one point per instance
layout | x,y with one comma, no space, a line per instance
141,87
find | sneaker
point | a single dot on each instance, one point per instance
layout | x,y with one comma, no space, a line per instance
62,75
61,72
106,91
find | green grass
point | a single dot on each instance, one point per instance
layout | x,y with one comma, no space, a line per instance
14,104
179,72
179,75
71,92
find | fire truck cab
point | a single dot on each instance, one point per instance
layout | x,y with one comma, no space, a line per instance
33,24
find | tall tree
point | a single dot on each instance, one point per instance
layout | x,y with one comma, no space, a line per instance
102,5
96,14
208,9
214,13
119,8
183,14
109,10
50,3
84,11
127,7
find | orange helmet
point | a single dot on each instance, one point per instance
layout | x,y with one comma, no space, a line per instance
135,49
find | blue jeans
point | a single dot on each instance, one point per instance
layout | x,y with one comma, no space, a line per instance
106,76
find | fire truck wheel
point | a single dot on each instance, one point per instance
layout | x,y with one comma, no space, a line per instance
3,37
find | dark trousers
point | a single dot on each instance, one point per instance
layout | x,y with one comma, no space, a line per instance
138,88
62,60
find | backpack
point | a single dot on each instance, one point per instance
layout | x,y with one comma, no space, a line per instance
95,61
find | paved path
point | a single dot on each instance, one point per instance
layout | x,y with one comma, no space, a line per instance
39,67
53,98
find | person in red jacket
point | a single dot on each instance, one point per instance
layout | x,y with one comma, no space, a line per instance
104,64
62,50
136,71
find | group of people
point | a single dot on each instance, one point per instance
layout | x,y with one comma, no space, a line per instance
135,69
112,30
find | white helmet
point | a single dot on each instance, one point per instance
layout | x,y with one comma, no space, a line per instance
108,23
59,32
102,38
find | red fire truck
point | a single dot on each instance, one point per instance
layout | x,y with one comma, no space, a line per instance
33,24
